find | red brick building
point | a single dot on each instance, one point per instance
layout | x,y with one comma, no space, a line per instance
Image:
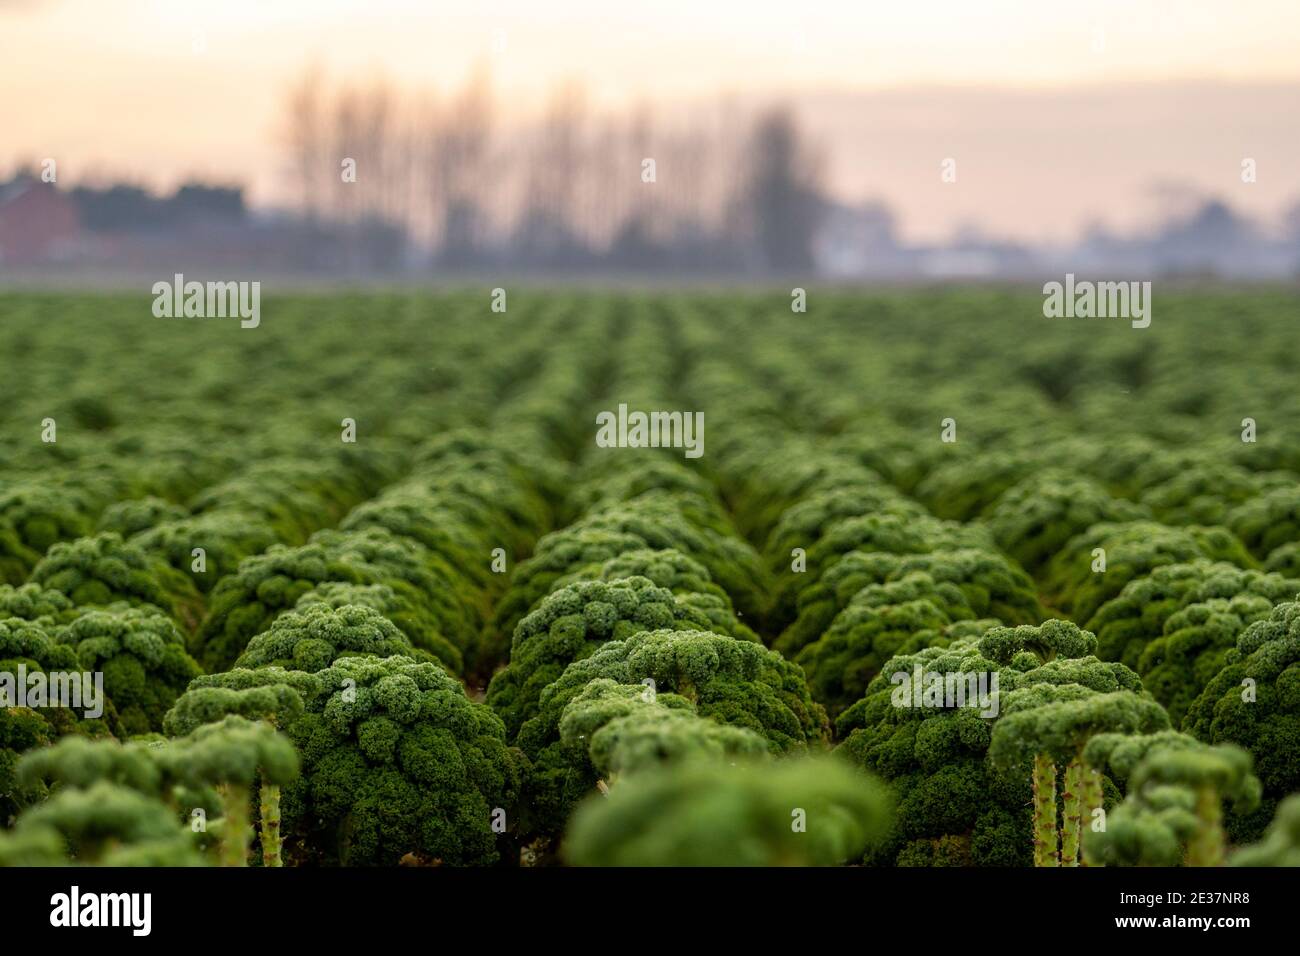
38,224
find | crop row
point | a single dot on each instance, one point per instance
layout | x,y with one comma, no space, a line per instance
363,590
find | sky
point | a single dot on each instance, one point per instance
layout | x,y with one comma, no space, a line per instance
1102,111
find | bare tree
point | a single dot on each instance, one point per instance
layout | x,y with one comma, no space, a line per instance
565,192
461,168
784,197
304,133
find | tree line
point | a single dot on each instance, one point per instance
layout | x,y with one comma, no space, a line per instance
709,189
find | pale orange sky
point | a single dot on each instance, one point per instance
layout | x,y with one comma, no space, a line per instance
166,88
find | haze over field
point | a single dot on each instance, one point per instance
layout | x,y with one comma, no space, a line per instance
1058,117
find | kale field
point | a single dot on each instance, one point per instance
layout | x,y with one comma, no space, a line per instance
916,578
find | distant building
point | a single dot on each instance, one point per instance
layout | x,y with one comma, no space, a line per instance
972,255
38,224
126,208
858,242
